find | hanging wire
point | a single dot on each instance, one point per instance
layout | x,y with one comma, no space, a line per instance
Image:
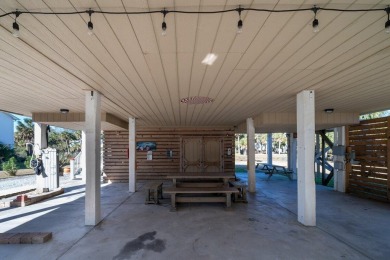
197,12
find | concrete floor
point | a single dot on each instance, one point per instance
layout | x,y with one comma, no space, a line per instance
266,228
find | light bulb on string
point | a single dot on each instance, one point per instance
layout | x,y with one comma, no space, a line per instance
90,24
315,21
387,24
15,25
239,24
164,24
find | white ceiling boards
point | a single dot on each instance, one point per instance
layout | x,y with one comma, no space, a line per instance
143,74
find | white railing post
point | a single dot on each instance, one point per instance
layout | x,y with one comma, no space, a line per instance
72,169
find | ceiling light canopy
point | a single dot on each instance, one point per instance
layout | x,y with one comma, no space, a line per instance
196,100
329,110
209,59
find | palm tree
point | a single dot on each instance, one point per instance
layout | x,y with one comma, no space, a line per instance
24,132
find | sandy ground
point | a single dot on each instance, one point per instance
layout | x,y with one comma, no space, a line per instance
21,172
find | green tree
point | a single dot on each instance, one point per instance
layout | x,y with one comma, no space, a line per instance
67,143
24,132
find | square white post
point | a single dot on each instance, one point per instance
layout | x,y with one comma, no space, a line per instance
92,157
40,142
132,151
306,134
293,140
269,148
339,174
83,149
251,154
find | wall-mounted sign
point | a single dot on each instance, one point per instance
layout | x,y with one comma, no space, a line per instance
146,146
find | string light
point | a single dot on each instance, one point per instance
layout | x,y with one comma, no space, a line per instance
239,24
15,25
387,24
315,24
164,24
90,24
315,21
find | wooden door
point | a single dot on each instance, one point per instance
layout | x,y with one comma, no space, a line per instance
212,151
201,154
191,155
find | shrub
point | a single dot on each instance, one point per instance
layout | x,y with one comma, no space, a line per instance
10,166
27,162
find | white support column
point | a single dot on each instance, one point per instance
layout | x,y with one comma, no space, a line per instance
132,151
92,156
83,161
40,142
269,148
318,165
306,134
251,154
339,173
294,156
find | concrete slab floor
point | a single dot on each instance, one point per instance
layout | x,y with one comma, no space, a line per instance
265,228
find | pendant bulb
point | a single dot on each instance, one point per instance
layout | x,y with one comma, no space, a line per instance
15,29
315,26
239,26
90,28
164,28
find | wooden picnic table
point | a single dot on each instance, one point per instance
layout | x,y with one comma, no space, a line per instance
271,169
201,176
189,189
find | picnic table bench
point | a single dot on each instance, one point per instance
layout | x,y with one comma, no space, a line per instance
275,169
193,194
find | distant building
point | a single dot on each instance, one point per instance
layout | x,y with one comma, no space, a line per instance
7,129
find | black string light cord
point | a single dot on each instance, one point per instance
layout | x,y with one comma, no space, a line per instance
18,12
164,12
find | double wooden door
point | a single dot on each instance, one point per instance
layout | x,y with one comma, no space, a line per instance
202,154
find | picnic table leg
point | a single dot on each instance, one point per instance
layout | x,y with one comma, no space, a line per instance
173,202
228,200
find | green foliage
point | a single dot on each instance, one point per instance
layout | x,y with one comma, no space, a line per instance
67,143
24,132
10,166
27,162
6,152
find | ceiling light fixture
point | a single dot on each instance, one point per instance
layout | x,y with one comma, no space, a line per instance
239,24
387,24
164,24
315,21
196,100
15,25
90,24
329,110
209,59
64,111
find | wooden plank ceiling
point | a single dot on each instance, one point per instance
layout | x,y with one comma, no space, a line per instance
143,74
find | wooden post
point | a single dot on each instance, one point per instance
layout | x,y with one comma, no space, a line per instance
348,166
306,132
388,158
92,155
251,155
132,151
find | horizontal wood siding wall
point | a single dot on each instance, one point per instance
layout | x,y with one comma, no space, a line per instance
116,144
115,159
370,176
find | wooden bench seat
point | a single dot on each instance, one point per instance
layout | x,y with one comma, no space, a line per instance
154,192
194,192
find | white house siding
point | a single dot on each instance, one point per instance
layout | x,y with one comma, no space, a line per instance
7,129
